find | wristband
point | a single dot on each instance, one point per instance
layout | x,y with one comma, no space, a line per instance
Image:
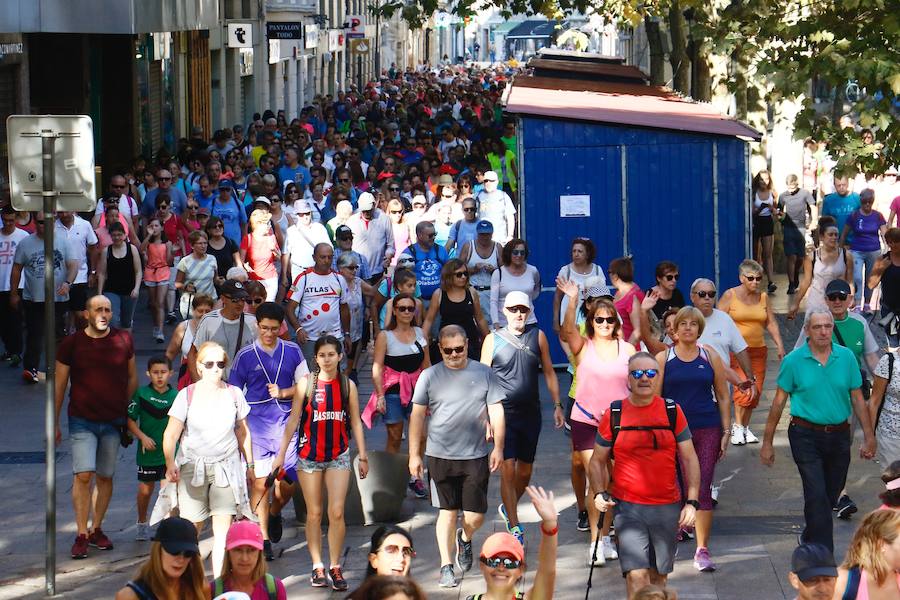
251,465
558,405
550,533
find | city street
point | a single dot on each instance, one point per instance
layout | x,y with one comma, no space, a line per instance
755,529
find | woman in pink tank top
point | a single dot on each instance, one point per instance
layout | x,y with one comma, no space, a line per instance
601,360
869,571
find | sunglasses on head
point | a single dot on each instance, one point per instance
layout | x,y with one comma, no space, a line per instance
705,294
638,373
501,561
406,308
837,296
451,351
601,320
210,364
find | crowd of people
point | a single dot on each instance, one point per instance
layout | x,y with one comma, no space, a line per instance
380,227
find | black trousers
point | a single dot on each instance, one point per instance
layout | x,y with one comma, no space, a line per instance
34,326
10,326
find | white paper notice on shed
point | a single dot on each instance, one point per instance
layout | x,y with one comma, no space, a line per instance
575,206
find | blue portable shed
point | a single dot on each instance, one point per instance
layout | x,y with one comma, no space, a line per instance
639,170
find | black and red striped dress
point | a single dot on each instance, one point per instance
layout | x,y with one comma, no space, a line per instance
324,435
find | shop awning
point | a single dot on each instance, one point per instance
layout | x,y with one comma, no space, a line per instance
506,27
533,29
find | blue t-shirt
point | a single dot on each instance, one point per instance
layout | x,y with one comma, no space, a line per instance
300,176
463,232
840,207
865,230
232,216
428,267
176,195
206,201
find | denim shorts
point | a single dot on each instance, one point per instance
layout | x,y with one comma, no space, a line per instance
95,446
341,463
394,411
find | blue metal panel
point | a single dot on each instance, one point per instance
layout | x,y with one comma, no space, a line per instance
560,133
733,209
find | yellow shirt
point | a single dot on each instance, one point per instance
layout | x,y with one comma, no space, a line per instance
750,319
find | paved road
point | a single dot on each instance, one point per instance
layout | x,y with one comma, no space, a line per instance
759,515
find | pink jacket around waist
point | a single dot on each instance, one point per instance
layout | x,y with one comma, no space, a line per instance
390,378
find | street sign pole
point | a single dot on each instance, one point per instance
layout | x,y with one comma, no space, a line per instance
48,141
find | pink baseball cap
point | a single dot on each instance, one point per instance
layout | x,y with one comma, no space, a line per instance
244,533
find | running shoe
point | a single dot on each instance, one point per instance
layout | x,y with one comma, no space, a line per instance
171,318
845,507
702,561
749,437
417,487
583,524
595,554
80,547
737,435
318,579
609,549
502,510
463,552
30,376
792,289
448,577
338,583
159,337
275,528
518,533
98,539
772,287
143,532
5,356
267,551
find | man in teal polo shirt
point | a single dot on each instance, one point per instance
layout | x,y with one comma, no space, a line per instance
823,381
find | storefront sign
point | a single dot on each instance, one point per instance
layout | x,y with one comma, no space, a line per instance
335,40
240,35
284,31
356,26
312,36
361,46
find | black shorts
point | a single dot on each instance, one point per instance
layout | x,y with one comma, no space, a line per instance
763,226
149,474
460,484
522,432
78,295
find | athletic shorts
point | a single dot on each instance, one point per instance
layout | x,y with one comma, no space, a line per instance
149,474
341,463
794,242
459,484
198,503
78,295
394,411
646,535
522,432
95,446
264,452
584,436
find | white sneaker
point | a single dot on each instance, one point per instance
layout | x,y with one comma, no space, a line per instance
596,553
143,532
609,549
749,437
737,435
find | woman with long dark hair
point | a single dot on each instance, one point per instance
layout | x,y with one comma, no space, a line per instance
764,223
458,303
391,552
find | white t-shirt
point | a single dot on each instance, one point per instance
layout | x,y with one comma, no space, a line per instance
79,237
722,334
319,297
8,245
127,207
210,421
584,281
497,208
300,244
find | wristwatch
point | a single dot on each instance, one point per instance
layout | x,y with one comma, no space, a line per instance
694,503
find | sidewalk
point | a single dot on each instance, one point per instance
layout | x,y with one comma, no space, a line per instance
754,533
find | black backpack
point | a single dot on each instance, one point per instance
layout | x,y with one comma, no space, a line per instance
615,422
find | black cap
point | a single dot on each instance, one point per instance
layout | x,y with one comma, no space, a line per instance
177,535
837,286
343,232
234,289
813,560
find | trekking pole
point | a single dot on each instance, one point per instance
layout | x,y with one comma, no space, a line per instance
587,592
270,481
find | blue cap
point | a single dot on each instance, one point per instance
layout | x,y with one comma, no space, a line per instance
226,183
813,560
484,226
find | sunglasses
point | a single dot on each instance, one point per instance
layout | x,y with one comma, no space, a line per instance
472,209
638,373
461,274
451,351
193,206
519,252
522,310
396,212
255,301
344,180
672,277
837,296
210,364
450,197
506,563
394,189
490,181
218,226
601,320
406,308
304,214
705,294
394,549
352,267
418,205
753,277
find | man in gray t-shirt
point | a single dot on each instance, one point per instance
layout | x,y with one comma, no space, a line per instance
223,326
465,405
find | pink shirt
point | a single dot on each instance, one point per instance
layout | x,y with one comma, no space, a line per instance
599,382
259,591
624,305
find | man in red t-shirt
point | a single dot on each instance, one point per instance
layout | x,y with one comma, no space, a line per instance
99,362
644,489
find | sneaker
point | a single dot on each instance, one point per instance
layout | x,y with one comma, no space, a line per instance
418,488
502,510
267,551
448,577
518,533
338,583
15,360
463,552
595,554
749,437
98,539
80,547
159,337
5,356
30,376
714,492
681,535
609,549
772,287
737,435
702,561
275,528
318,579
845,507
171,318
583,524
792,289
143,532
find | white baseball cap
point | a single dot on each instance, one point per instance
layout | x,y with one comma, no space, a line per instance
366,201
517,298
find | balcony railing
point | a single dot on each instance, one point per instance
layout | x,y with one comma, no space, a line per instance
303,6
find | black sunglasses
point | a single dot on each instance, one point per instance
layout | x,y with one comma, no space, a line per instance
461,274
670,277
210,364
406,308
837,296
705,294
254,300
456,350
497,561
601,320
518,309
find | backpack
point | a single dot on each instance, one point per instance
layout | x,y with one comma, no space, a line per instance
271,588
854,575
615,422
